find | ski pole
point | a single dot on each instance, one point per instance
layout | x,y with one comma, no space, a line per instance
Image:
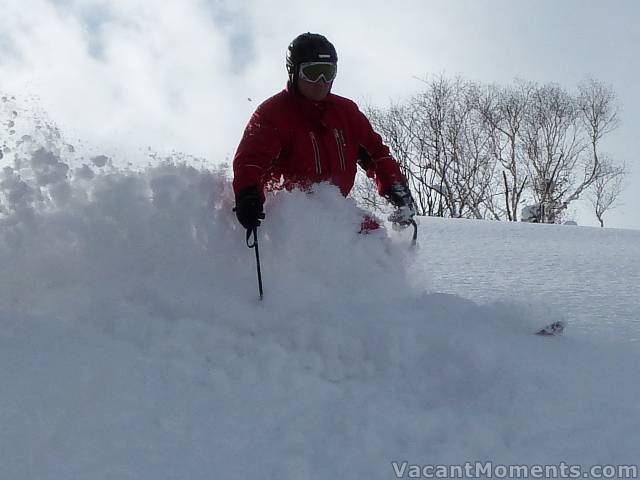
254,245
414,240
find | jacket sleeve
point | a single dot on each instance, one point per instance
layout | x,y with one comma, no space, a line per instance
374,156
259,147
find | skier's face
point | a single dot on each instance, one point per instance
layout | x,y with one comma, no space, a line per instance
317,91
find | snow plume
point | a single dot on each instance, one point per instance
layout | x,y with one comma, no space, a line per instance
137,348
103,243
122,249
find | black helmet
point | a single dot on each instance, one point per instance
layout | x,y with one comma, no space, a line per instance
308,47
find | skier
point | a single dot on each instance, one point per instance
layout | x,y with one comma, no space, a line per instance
305,135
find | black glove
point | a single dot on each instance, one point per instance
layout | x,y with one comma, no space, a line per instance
400,196
249,207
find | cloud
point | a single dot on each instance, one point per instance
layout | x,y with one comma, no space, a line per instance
133,73
178,74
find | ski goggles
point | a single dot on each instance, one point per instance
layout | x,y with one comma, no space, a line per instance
314,71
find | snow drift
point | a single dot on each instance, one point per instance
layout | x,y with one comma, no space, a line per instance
132,343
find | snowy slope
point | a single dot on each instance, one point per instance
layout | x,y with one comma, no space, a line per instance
132,343
589,276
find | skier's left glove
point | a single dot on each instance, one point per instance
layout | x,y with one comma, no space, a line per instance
400,196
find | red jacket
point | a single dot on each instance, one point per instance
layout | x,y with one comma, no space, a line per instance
305,142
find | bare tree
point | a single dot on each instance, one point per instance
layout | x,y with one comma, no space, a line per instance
407,132
473,169
503,111
606,189
599,114
554,147
439,141
430,110
563,142
399,127
475,151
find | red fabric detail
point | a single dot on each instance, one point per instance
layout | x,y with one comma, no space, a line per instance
369,224
277,148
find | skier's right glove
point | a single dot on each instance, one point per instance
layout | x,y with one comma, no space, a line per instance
400,196
249,207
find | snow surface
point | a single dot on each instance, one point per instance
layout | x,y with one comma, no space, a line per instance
587,276
133,346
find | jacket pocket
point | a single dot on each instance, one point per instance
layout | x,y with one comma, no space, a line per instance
316,152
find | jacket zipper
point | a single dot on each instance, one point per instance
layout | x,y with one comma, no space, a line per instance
341,145
316,151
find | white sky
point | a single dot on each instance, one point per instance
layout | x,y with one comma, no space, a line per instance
178,74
